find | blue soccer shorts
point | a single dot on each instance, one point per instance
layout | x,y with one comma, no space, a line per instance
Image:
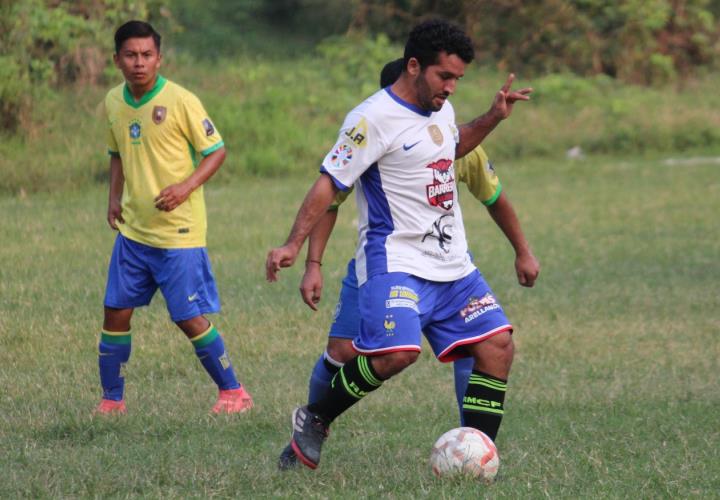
346,323
395,308
183,275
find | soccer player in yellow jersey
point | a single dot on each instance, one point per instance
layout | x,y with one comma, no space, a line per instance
157,132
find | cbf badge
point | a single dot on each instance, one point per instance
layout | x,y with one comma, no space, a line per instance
135,131
158,114
435,134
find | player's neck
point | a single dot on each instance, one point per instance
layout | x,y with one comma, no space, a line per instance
405,90
138,91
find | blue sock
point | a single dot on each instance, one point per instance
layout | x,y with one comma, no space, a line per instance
324,370
463,368
210,350
113,353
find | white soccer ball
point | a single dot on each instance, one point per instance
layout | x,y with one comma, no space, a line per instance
465,451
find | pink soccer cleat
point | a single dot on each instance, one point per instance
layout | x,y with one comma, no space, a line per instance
111,407
233,401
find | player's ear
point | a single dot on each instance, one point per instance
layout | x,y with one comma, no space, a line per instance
116,60
413,67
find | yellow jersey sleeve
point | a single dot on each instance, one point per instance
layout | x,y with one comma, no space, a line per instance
477,172
340,198
197,127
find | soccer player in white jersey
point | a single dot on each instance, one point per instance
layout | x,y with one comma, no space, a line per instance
412,263
477,172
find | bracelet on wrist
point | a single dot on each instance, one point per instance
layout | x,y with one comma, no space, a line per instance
308,261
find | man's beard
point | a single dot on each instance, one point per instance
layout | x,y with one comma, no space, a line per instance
424,94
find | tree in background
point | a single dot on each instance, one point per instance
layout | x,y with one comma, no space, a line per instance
46,44
637,41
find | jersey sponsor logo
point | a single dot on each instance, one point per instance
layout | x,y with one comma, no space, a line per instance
477,306
158,114
208,126
406,303
135,131
441,192
403,292
408,148
435,134
442,231
358,134
341,156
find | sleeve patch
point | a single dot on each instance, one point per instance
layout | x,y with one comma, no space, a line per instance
208,126
341,156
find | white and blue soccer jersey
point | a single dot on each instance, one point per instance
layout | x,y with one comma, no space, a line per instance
400,160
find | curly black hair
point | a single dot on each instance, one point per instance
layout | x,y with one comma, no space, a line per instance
429,38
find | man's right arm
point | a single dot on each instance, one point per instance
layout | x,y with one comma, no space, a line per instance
316,203
117,180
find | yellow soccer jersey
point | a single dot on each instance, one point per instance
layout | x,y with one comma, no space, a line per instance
474,169
158,139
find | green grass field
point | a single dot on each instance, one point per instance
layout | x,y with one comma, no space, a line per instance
614,391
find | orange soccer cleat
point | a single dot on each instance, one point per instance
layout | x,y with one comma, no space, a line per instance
233,401
111,407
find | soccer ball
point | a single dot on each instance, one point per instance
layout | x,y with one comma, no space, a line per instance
465,451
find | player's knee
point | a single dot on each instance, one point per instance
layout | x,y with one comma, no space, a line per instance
393,363
117,320
503,347
340,350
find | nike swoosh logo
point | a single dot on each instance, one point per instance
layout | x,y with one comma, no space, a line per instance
192,297
408,148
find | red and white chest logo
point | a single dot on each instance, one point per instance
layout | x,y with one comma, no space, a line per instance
441,192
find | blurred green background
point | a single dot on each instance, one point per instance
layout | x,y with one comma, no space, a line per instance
614,78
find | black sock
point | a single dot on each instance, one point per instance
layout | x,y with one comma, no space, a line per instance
483,403
353,382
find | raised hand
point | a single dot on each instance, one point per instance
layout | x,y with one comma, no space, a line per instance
505,98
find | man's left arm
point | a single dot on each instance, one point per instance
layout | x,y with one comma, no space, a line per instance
474,132
174,195
527,266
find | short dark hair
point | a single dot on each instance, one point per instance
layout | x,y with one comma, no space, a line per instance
429,38
136,29
391,72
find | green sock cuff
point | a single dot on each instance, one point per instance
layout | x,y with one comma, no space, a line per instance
115,337
206,338
477,378
367,371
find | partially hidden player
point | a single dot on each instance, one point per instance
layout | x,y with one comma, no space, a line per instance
163,147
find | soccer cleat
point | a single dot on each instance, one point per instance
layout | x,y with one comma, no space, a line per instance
111,407
309,433
233,401
288,459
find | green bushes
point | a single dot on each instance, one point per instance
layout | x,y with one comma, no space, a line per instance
281,117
